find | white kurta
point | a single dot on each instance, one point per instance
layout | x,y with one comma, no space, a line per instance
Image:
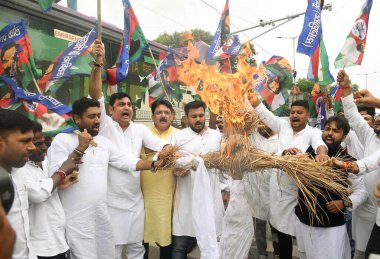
88,226
354,146
257,183
195,144
369,164
124,196
19,219
283,198
330,242
46,215
364,216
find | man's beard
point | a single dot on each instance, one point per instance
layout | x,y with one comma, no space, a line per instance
333,148
197,130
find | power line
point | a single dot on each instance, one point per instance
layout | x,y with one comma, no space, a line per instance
164,16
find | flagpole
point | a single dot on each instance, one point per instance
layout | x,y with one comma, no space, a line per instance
99,19
159,76
34,79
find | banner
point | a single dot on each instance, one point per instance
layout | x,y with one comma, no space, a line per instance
319,68
80,67
311,30
48,101
132,45
220,37
16,57
353,49
65,63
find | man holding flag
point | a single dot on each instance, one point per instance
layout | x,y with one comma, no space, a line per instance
124,196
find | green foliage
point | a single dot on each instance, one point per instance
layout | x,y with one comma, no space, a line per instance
174,40
305,85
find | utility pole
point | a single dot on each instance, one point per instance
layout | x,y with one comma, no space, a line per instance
366,77
293,38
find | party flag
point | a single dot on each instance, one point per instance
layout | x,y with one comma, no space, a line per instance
353,49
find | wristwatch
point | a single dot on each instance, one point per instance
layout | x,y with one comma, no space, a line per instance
347,204
153,168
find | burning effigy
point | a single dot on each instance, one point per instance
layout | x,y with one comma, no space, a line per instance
227,96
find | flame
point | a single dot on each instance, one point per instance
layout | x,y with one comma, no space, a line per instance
224,94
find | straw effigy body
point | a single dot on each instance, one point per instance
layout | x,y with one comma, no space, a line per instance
312,178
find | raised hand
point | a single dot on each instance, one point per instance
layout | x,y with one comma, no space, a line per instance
365,97
98,52
85,139
343,79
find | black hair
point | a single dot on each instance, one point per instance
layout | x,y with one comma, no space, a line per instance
369,110
341,123
12,121
156,103
302,103
80,106
37,127
194,105
118,96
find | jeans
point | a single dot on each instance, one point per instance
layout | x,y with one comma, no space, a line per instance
180,247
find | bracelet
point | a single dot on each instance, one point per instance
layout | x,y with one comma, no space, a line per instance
348,166
62,174
97,64
346,87
77,151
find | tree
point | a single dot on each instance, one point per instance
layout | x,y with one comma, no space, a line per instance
174,40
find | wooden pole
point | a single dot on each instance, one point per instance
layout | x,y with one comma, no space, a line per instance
99,19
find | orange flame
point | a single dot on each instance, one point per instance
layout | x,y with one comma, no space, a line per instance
224,94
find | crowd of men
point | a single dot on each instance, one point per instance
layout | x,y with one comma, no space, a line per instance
102,193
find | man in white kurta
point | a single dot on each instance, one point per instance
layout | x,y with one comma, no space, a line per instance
294,136
195,140
364,216
88,225
124,196
323,234
16,146
46,215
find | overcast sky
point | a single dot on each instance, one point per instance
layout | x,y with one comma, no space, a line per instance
159,16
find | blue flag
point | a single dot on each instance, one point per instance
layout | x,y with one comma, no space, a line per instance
66,61
311,31
221,32
48,101
133,43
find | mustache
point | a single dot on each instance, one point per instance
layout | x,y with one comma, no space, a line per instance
163,120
